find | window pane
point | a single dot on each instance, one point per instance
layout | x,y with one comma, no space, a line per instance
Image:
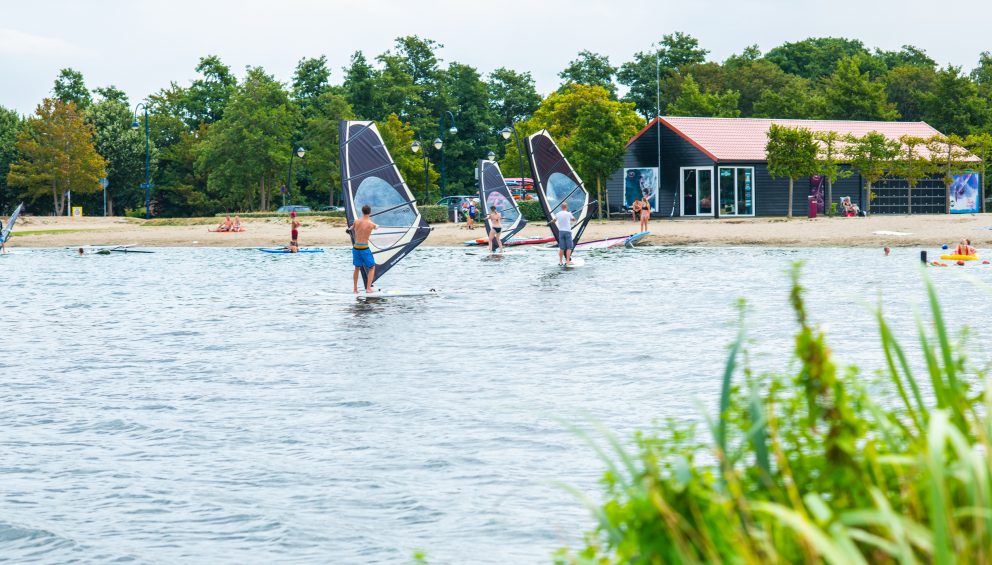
705,191
728,204
745,191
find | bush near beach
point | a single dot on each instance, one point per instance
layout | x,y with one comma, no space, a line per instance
814,465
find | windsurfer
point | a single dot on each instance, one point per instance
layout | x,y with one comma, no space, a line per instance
496,225
361,255
563,219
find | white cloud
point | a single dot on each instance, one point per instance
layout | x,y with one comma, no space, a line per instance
22,44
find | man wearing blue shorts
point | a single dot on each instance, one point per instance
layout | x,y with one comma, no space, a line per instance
361,255
563,219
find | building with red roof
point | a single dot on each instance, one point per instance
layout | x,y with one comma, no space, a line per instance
717,167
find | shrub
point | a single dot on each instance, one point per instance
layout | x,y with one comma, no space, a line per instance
279,214
812,466
434,214
531,210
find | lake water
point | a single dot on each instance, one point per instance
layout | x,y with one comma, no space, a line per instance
226,405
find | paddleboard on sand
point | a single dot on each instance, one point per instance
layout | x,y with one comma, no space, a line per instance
284,250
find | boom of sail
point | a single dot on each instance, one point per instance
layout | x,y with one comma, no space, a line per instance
495,193
556,182
9,228
369,176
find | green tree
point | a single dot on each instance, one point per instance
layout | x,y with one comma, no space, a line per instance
56,155
672,53
418,61
752,79
906,86
310,81
359,86
872,156
512,95
949,158
908,56
911,164
469,101
850,94
796,100
815,57
10,125
247,152
792,153
693,102
829,158
123,147
953,104
208,96
590,127
592,69
982,74
398,137
70,87
396,91
320,137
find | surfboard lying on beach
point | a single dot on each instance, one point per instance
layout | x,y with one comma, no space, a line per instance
512,241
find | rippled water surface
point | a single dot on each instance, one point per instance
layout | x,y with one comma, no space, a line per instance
225,405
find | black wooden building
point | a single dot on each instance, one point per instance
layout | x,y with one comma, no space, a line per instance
716,167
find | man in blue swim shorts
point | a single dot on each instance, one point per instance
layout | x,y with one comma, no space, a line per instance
361,255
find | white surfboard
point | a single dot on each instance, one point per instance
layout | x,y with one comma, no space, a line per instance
576,262
395,293
497,254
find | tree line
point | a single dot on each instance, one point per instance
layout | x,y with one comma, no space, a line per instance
223,144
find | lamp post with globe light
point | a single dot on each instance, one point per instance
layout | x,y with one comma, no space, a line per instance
439,142
147,185
416,146
505,133
299,152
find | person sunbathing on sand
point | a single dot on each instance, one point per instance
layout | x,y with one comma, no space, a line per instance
237,224
225,225
850,208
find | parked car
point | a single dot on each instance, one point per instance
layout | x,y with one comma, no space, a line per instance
454,201
331,209
292,208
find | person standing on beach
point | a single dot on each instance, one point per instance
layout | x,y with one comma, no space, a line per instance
361,255
645,213
563,219
635,210
295,230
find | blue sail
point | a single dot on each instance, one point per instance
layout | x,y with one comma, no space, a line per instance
369,176
9,228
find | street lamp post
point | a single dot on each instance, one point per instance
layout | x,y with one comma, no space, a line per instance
416,146
506,133
147,185
300,152
439,143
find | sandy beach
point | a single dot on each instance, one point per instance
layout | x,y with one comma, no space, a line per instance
876,231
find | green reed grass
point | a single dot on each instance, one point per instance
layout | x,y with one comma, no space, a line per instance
811,466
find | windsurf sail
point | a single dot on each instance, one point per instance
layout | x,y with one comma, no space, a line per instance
9,228
369,176
556,182
495,193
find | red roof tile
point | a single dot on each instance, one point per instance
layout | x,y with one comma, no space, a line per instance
744,139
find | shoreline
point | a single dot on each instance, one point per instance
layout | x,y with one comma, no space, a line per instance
896,231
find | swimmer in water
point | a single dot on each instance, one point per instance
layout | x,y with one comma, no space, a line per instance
887,250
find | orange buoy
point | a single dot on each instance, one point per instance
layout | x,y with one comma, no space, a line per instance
961,263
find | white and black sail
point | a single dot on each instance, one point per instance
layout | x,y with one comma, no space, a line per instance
556,182
494,192
9,228
369,176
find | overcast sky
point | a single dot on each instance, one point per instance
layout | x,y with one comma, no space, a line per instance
140,46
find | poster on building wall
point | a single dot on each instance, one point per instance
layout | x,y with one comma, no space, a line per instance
817,185
965,194
638,183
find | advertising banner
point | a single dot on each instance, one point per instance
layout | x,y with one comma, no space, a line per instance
638,183
817,186
966,194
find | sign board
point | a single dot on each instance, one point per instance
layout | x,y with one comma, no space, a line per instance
104,182
77,211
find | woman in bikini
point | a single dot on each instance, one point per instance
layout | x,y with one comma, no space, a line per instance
645,213
496,223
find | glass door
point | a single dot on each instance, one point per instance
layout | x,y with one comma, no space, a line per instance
736,188
697,191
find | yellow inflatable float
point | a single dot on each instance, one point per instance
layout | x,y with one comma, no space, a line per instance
959,257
